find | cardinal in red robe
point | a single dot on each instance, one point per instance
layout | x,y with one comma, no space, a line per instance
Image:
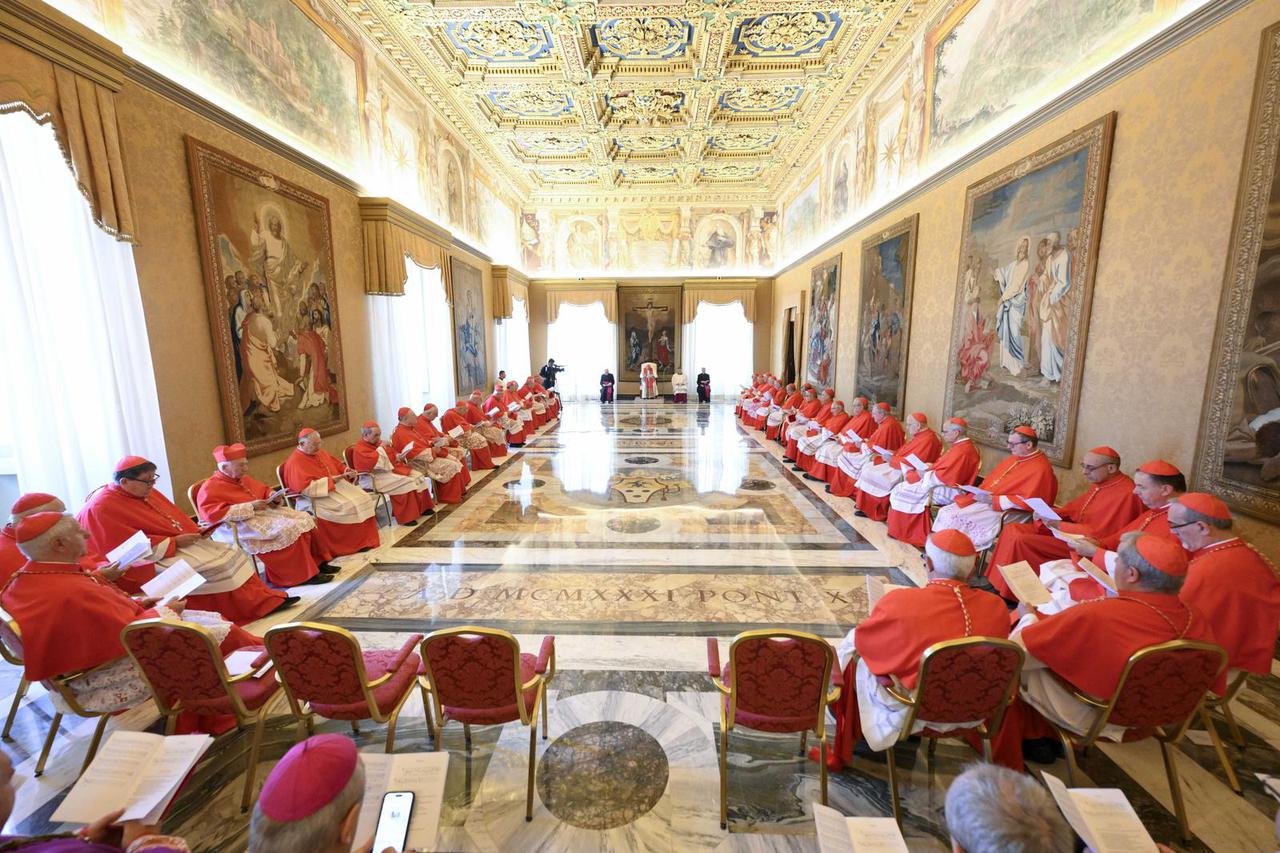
797,421
132,503
408,491
888,435
791,400
909,501
859,427
891,641
456,420
809,426
346,515
247,510
11,556
1105,508
876,482
1229,581
421,452
828,428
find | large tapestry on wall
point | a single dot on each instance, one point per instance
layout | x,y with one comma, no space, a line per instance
1239,448
470,350
650,330
267,251
1028,255
824,319
884,311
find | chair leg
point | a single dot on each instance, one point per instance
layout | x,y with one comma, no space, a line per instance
724,777
355,727
822,772
1207,719
1070,749
533,749
1236,734
23,684
544,711
1175,790
928,756
170,725
251,770
48,743
93,744
391,731
426,714
466,734
804,741
893,785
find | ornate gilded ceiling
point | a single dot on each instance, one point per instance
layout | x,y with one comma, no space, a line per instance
584,101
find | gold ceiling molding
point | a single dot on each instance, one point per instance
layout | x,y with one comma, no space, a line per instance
508,284
59,71
392,233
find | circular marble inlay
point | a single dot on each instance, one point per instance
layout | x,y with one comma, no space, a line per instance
601,775
517,484
633,525
645,421
641,460
756,485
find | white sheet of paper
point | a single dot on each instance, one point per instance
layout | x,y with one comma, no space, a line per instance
130,550
159,783
513,407
916,462
1069,538
974,490
833,832
137,771
876,589
1271,784
493,411
241,661
423,773
1091,569
1025,584
405,450
1042,509
875,835
175,582
455,432
886,453
1102,817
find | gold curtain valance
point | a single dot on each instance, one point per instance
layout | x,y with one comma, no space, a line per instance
719,296
606,295
508,285
61,72
392,233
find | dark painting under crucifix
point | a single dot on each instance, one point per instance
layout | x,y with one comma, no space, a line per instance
650,330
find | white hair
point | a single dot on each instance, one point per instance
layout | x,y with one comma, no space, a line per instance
948,565
991,809
41,547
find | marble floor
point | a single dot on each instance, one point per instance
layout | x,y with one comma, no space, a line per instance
632,532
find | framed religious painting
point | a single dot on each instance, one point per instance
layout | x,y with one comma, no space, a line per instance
650,330
884,312
1238,457
824,321
470,352
1028,255
267,251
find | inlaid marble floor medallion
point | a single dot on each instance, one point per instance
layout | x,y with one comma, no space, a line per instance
601,775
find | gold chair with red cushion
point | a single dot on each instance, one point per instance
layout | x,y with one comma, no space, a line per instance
776,680
184,668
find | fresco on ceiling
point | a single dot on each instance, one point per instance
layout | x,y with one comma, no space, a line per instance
646,240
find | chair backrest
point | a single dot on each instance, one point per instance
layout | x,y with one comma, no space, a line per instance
193,491
10,640
1162,685
472,667
968,679
781,674
347,455
180,661
318,663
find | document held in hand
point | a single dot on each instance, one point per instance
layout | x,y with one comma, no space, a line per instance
455,432
420,772
916,462
1042,509
136,771
876,589
130,550
974,490
1069,538
493,411
1025,584
840,834
1091,569
1102,817
513,407
177,581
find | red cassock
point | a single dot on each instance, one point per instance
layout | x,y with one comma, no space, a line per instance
289,566
474,417
895,635
833,422
300,471
449,492
112,515
406,507
957,467
12,559
925,445
481,459
431,432
762,415
808,409
792,402
1238,591
1104,509
526,393
1088,646
862,425
1153,521
821,413
889,435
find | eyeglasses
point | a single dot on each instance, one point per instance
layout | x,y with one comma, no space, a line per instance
1183,524
150,481
1013,443
1089,469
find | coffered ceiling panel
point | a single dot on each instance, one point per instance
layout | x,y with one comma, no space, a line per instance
590,101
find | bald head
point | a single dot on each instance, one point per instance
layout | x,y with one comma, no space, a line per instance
62,543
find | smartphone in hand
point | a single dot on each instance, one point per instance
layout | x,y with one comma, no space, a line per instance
393,822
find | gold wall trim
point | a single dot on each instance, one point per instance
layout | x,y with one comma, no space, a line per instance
45,31
393,232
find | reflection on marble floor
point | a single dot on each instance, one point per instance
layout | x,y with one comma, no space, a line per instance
573,537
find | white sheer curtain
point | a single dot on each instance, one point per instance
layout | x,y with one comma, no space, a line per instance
720,339
78,384
412,340
584,342
512,338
